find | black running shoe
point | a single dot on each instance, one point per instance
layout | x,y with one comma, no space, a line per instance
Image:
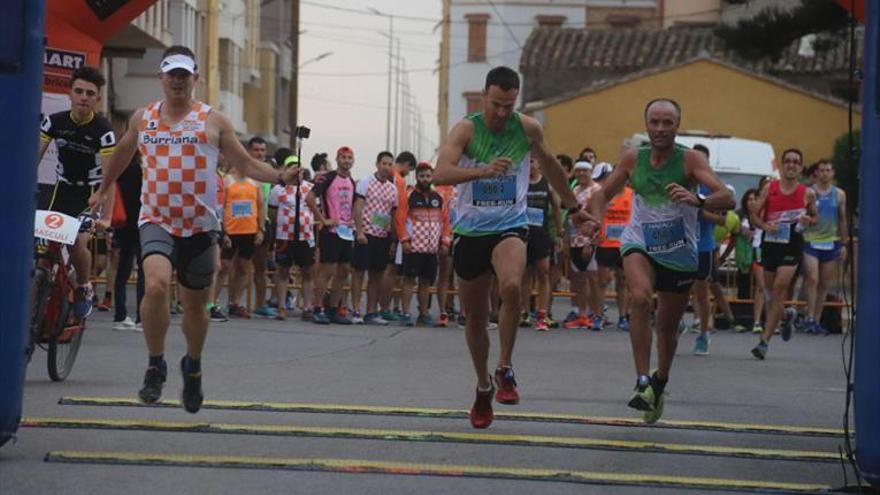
153,380
191,397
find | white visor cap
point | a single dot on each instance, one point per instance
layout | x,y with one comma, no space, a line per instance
178,61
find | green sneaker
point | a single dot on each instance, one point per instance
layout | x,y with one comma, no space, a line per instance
525,320
652,416
643,397
739,328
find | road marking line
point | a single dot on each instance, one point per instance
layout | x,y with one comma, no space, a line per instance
425,412
414,469
432,436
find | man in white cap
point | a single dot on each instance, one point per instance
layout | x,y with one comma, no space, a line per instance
179,140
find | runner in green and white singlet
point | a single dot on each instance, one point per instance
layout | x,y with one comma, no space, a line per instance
659,245
487,156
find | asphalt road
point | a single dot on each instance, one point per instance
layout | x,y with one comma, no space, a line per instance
560,372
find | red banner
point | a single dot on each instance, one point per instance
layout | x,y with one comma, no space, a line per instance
76,30
859,11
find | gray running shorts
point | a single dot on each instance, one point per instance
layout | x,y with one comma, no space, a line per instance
193,257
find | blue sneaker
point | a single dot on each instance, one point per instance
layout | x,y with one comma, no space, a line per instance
701,346
82,301
760,350
623,324
389,316
335,317
265,312
320,317
407,320
597,323
375,319
818,329
425,321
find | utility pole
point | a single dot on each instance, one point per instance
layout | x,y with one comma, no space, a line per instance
400,62
390,59
294,68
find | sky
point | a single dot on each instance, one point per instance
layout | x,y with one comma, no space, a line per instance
343,97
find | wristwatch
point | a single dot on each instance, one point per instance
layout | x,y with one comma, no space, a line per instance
701,200
574,209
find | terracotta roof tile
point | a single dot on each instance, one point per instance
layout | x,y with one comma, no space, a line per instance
585,56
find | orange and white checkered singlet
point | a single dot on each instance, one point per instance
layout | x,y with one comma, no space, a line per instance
179,168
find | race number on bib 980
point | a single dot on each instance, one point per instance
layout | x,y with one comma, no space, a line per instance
664,236
613,232
495,191
242,209
536,217
782,236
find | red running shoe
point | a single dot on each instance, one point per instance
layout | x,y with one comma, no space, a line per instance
506,384
481,414
442,321
541,322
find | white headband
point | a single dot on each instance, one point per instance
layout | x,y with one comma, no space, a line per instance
583,166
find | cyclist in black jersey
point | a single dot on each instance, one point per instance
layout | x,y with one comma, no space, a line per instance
81,137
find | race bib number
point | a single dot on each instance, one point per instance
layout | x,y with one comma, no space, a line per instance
345,232
380,220
782,236
822,246
613,232
536,217
495,191
243,208
661,237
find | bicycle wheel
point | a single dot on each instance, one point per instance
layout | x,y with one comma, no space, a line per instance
63,346
40,294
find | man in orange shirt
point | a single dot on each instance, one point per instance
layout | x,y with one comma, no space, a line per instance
608,252
403,165
242,219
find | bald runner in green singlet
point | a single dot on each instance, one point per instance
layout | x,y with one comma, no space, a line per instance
659,245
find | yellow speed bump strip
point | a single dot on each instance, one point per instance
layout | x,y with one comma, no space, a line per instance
412,469
425,412
431,436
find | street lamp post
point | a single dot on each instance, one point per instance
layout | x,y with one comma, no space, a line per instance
390,60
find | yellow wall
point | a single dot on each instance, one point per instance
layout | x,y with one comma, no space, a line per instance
259,101
714,98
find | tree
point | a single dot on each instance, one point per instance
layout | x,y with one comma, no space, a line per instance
771,31
846,169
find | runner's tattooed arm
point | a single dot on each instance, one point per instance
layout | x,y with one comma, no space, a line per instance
812,216
358,214
236,154
449,173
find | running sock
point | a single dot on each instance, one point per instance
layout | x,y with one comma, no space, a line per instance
192,366
643,381
157,362
484,389
658,384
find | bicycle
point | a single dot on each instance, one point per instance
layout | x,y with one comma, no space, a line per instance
54,327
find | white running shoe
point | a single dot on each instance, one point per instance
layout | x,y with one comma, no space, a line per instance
126,325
